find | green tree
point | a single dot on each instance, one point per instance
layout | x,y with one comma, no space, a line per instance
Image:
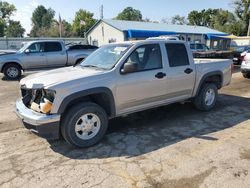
14,29
130,13
179,20
9,27
6,10
242,10
83,22
66,29
225,21
54,30
2,26
42,19
202,18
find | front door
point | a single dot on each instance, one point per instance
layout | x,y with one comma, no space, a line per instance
34,56
146,85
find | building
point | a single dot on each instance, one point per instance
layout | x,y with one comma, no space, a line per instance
108,30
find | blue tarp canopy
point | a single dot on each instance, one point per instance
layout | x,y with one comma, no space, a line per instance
216,36
148,33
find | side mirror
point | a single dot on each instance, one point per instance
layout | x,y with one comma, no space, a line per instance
27,51
129,67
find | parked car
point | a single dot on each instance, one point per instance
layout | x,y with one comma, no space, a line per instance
198,47
245,65
115,80
39,55
239,53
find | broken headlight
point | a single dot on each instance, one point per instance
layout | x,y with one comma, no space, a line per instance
42,100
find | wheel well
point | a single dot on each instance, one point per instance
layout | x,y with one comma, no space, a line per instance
102,99
9,64
216,79
79,59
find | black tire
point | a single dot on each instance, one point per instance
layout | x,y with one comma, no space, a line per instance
79,61
246,75
10,75
200,99
72,117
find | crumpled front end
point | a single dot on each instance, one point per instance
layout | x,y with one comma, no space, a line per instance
34,111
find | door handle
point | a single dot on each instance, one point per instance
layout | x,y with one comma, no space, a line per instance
42,55
188,71
160,75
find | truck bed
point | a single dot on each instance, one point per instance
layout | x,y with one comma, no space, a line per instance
208,66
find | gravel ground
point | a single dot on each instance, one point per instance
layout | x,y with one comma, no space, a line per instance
174,146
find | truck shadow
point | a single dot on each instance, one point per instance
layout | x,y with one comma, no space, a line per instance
158,128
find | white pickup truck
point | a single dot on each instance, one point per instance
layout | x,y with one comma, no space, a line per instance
37,55
117,79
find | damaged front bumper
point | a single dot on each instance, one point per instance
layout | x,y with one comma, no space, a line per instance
46,126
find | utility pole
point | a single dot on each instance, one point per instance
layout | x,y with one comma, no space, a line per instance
248,31
101,12
60,26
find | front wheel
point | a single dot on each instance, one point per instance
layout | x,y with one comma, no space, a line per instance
84,125
206,98
12,71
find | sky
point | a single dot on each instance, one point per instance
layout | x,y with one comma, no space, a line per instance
154,10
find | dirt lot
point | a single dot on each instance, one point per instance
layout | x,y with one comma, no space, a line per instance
174,146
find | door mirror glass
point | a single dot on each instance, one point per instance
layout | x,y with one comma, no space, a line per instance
27,51
129,67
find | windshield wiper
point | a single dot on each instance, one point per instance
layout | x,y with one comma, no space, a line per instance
92,66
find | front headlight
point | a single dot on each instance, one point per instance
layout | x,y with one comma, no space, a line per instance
43,100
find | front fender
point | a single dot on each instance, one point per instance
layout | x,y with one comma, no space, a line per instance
80,94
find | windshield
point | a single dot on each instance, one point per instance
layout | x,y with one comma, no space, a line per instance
106,57
23,48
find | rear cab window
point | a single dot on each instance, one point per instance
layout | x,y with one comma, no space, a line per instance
177,55
53,47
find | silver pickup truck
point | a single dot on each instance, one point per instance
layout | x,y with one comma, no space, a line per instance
116,80
39,55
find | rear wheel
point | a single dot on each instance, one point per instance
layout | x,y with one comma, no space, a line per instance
206,98
84,125
12,71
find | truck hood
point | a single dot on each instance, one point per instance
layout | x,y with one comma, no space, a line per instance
49,78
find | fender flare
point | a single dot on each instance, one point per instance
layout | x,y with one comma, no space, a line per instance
80,94
205,76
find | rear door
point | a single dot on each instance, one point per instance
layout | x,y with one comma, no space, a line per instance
55,54
181,71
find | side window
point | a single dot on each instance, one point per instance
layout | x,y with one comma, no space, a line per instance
36,47
147,57
53,47
177,55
